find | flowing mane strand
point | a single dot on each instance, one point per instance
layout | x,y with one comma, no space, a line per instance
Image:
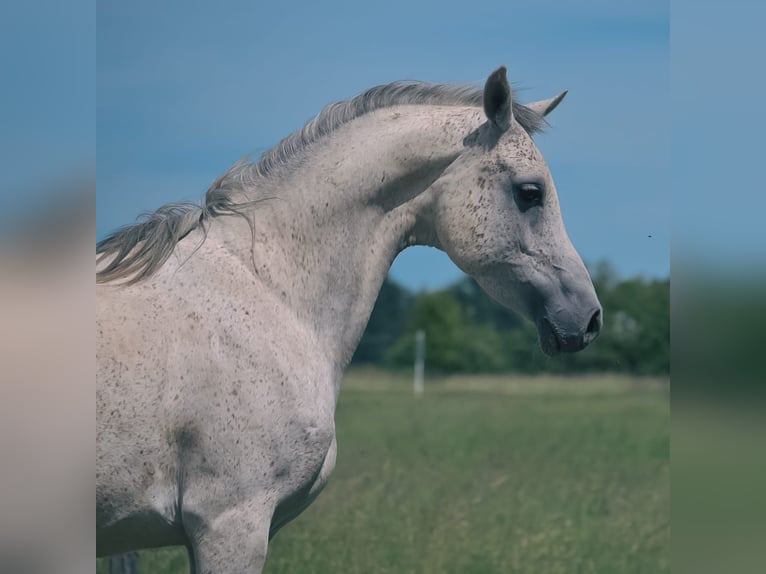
137,251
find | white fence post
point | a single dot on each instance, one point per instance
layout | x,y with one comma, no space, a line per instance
420,357
124,563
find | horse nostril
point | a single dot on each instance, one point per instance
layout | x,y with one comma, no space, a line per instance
594,326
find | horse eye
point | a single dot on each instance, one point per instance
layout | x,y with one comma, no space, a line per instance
528,195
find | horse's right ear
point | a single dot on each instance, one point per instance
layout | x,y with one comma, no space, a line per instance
498,99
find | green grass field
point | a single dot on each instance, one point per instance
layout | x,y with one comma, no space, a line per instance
486,474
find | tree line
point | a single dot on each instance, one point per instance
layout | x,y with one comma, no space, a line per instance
468,332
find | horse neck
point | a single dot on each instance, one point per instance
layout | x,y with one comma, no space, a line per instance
340,219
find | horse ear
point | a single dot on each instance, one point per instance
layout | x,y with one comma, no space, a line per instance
498,99
544,107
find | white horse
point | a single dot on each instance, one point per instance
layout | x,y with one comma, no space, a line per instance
224,330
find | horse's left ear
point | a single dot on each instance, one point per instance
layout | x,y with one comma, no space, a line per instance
544,107
498,99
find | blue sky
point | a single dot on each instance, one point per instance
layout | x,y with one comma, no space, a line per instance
47,120
186,88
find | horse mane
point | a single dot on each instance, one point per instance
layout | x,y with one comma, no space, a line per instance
137,251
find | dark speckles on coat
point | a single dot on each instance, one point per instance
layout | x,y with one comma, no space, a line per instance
219,375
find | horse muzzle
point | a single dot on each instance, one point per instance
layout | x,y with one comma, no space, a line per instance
569,336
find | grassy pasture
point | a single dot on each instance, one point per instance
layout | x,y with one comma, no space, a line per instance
535,475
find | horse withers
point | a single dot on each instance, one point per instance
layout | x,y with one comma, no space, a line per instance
224,329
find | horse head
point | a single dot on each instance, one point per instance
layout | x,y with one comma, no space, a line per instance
499,219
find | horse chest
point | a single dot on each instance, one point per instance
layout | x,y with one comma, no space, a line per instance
275,423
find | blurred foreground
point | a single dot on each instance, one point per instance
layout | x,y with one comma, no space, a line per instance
485,474
719,418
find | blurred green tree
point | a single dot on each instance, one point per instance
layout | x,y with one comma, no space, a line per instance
387,323
440,317
467,331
